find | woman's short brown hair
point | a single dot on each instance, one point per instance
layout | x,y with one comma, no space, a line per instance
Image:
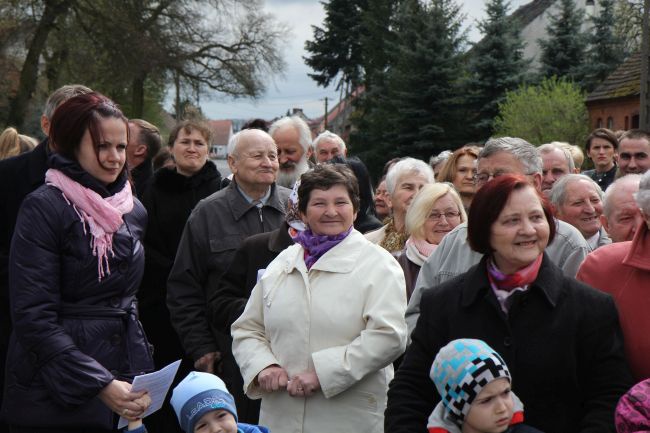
324,177
603,133
188,126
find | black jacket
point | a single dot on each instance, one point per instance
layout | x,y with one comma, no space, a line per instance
141,176
256,252
169,199
561,341
72,333
19,176
228,302
215,229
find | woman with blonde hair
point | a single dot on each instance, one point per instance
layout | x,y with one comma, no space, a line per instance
435,211
12,143
459,170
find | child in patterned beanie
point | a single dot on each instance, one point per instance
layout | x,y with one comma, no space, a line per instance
474,386
203,405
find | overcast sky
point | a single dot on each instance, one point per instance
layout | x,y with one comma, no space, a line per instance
296,89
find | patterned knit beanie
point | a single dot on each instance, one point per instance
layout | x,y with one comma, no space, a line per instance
198,394
460,371
633,409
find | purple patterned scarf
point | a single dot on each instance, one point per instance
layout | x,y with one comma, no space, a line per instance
317,245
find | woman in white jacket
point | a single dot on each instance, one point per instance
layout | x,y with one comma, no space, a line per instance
325,321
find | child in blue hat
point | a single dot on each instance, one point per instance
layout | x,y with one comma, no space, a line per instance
474,385
203,405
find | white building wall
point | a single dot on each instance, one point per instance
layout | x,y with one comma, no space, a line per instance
536,29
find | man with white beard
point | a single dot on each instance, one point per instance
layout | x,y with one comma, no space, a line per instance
293,138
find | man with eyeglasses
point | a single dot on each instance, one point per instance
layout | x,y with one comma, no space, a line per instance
453,256
634,152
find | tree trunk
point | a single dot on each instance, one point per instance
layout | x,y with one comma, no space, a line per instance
644,120
29,73
177,83
137,102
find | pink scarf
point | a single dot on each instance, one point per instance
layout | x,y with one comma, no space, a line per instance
521,278
102,215
418,250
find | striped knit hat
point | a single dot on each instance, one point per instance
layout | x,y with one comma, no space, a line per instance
460,371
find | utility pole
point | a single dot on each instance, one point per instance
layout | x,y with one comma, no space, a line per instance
644,122
325,117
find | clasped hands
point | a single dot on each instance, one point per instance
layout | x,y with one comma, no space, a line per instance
275,378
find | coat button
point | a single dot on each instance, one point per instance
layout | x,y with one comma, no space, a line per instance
507,342
115,301
33,357
123,267
116,339
114,372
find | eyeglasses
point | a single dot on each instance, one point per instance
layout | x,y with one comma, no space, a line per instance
482,178
435,216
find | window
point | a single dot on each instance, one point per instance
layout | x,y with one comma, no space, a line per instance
610,123
599,123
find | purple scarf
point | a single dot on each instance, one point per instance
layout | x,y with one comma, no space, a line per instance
317,245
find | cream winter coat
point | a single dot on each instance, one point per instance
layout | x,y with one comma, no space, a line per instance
344,319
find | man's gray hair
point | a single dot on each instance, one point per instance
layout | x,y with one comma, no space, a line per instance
525,152
304,133
643,196
557,145
62,94
407,166
612,189
327,135
558,192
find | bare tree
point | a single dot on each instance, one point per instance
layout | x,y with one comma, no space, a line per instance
52,10
629,23
202,47
227,46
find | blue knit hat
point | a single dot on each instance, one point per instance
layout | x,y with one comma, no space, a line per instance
198,394
460,371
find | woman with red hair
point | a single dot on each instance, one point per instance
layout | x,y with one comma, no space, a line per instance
562,337
75,265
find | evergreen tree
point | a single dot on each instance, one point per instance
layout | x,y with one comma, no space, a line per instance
496,66
415,105
606,49
425,79
335,52
563,52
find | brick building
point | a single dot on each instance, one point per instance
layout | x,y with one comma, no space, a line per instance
614,104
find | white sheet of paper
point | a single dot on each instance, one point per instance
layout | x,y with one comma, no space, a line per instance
157,385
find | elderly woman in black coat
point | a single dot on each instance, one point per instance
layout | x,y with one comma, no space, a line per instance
169,200
75,265
561,338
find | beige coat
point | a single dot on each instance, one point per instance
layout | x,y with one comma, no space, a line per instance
344,319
